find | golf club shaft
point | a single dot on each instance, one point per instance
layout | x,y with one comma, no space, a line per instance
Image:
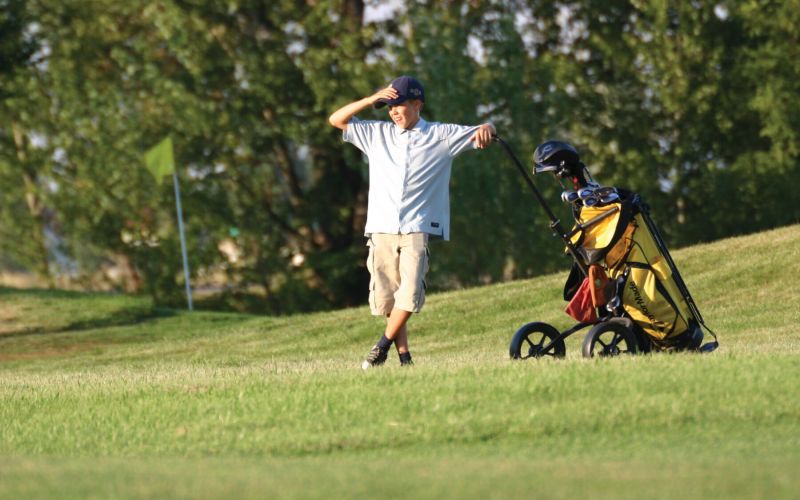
555,223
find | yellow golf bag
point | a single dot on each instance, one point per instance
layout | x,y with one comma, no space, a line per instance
619,242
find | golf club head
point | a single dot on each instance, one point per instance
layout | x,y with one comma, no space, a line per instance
557,157
540,169
590,201
569,196
605,191
587,192
609,198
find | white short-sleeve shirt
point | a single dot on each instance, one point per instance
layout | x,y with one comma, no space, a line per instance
409,173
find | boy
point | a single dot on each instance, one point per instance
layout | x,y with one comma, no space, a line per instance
410,161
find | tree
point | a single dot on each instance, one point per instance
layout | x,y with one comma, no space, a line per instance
259,165
23,211
690,104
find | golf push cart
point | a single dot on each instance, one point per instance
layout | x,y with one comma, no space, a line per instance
624,285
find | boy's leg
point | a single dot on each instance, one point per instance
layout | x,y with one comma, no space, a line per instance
397,329
383,265
401,265
401,343
410,296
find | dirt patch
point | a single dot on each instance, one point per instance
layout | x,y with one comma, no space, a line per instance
51,352
9,319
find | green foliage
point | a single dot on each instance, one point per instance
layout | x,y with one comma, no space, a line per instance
663,101
691,104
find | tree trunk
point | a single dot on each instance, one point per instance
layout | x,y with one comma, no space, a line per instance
35,206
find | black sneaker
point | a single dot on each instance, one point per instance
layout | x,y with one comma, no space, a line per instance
405,359
376,357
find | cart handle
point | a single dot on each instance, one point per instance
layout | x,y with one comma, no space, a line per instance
555,223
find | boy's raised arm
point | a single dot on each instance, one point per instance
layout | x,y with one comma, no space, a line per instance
341,116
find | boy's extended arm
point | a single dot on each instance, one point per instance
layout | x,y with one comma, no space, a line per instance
341,116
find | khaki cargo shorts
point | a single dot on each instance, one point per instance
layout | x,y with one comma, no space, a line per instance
397,265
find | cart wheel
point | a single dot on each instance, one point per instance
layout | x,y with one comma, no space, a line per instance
609,339
530,340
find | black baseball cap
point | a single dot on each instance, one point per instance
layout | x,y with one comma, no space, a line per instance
407,87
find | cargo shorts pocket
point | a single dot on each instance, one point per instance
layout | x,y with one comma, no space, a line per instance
372,298
371,263
414,268
422,283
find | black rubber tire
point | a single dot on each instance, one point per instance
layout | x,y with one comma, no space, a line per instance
612,339
528,341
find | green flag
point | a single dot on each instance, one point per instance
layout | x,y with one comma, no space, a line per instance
159,159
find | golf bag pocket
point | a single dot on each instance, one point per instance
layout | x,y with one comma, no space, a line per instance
661,268
600,230
647,301
581,307
599,286
650,295
617,253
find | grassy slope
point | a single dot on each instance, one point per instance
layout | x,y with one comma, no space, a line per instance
105,396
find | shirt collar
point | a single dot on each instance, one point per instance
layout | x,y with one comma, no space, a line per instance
420,126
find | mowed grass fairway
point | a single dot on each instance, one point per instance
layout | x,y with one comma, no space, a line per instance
104,396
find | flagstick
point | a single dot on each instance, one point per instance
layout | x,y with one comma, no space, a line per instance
183,240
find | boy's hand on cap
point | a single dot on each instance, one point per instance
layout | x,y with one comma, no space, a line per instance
386,93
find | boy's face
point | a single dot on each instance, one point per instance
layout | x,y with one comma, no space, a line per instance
406,114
